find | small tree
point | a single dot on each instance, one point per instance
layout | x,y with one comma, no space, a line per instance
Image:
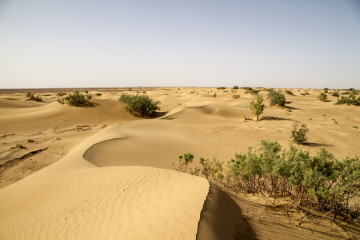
322,97
299,133
257,107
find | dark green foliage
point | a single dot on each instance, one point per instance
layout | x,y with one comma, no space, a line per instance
88,96
30,140
257,107
335,94
236,96
60,94
289,92
221,88
326,90
235,87
141,105
298,134
98,94
32,97
276,98
75,99
322,97
350,100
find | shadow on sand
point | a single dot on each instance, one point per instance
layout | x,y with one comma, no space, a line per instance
312,144
221,218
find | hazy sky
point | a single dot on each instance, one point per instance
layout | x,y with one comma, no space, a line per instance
304,43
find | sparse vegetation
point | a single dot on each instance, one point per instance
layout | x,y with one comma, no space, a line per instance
236,96
221,88
141,105
350,100
305,182
257,107
335,94
299,132
20,146
98,94
322,97
30,140
75,99
289,92
32,97
326,90
88,96
235,87
276,98
214,95
60,94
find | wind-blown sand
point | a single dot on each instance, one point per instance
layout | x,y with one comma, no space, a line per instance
112,175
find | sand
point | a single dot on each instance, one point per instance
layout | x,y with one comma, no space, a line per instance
105,174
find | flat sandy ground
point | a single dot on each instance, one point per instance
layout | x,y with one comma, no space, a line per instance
101,173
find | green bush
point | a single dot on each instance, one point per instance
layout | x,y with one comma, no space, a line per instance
304,181
257,107
335,94
32,97
322,97
350,100
221,88
298,133
141,105
98,94
75,99
60,94
235,87
236,96
289,92
276,98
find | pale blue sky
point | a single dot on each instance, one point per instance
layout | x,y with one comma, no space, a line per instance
304,43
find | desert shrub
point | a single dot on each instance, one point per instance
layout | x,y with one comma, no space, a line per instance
235,87
326,90
214,95
20,146
306,182
221,88
75,99
257,107
276,98
322,97
32,97
98,94
289,92
88,96
212,170
141,105
335,94
298,134
247,88
60,94
236,96
30,140
350,100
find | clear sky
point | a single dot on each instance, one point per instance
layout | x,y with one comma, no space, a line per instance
279,43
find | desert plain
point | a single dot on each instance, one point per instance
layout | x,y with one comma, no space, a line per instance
101,173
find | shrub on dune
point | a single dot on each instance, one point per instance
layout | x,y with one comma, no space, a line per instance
276,98
75,99
322,97
141,105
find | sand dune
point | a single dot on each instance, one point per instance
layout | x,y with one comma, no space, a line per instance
114,177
